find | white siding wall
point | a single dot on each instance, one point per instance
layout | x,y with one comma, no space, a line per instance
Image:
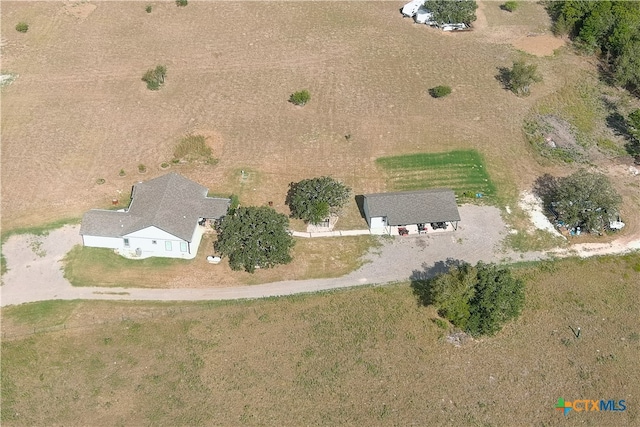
377,222
103,242
144,240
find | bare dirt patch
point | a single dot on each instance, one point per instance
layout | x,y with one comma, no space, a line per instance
79,10
539,45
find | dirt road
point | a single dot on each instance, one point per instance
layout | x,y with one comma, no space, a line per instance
35,269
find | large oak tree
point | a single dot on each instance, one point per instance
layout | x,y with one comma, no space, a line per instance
255,237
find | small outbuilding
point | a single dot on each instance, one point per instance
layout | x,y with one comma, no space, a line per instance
164,219
410,212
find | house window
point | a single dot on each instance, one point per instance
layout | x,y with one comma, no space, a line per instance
183,246
154,242
126,243
167,245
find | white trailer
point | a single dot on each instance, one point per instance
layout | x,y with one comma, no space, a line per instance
410,9
424,16
454,27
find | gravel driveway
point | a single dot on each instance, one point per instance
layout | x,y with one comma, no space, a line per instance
35,269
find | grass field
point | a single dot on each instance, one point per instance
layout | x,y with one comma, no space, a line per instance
313,258
366,356
463,171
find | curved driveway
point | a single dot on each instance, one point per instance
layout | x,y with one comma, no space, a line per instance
35,269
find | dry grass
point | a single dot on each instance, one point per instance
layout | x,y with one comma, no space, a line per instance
368,356
360,64
313,258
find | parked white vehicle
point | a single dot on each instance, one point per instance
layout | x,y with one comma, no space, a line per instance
411,8
424,16
453,27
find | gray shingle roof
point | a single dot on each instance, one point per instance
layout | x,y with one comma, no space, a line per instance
414,207
171,203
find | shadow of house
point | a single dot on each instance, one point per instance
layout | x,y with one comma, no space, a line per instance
360,204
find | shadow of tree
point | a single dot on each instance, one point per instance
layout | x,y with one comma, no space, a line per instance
293,187
620,127
545,187
420,279
504,77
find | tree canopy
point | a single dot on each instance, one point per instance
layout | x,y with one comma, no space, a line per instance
255,237
609,28
452,11
582,199
314,199
521,77
633,123
479,299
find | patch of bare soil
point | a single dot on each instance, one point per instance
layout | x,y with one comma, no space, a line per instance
558,133
539,45
80,10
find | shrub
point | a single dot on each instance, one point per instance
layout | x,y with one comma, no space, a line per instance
164,165
155,78
142,168
510,6
100,181
149,8
122,172
440,91
300,97
519,78
181,3
22,27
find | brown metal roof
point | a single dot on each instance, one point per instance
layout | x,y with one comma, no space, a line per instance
413,207
171,203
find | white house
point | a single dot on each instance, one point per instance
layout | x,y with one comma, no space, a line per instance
163,219
411,212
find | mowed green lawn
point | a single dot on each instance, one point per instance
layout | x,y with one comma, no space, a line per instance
364,356
463,171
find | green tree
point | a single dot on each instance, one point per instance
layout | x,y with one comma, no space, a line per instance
314,199
452,11
608,28
479,299
498,298
521,77
583,199
451,293
255,237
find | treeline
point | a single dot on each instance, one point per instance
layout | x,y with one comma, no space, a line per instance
610,29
